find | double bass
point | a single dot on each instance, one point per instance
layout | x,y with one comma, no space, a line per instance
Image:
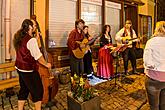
49,81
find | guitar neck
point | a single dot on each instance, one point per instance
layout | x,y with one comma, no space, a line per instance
132,39
128,40
91,41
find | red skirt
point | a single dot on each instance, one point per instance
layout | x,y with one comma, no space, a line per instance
105,68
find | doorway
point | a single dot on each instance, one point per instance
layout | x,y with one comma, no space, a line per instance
131,13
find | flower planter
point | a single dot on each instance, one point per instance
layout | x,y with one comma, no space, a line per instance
92,104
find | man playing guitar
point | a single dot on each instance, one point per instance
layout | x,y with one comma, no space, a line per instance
126,36
76,64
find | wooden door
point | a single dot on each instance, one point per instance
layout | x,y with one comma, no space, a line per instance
131,13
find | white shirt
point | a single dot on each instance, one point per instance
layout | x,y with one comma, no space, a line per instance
119,35
32,46
154,54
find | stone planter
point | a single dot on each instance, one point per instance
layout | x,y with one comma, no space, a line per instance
93,104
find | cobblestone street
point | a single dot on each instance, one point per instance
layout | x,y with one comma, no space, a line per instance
132,98
128,94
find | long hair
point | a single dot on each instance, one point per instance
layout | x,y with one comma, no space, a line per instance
131,32
87,34
104,31
160,28
131,29
105,28
20,34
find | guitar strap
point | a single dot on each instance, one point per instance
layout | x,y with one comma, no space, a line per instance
126,33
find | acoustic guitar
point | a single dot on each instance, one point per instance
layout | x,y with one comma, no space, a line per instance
127,40
80,52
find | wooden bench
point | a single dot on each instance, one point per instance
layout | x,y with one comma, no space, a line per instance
11,82
6,83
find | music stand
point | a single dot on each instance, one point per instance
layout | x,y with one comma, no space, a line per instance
117,50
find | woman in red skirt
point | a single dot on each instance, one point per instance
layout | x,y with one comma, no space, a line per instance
105,60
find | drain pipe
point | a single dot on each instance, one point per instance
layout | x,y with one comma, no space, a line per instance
7,36
1,33
8,31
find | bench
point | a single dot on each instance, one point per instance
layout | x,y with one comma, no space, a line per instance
10,82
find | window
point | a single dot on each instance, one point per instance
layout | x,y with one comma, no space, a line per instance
145,28
91,14
112,16
62,16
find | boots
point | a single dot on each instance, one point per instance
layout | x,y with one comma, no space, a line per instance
134,71
126,72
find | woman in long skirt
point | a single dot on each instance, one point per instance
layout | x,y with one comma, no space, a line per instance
105,59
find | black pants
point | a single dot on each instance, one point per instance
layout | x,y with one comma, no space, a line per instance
156,93
129,54
30,82
88,68
76,66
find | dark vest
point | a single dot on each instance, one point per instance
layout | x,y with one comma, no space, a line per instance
24,60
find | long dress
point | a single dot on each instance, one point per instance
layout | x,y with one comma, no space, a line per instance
88,68
105,68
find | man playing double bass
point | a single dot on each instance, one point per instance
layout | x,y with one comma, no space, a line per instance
27,56
50,83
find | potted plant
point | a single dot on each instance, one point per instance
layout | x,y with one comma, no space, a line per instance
82,96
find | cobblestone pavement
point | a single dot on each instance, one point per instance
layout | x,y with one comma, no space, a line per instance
128,94
132,98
